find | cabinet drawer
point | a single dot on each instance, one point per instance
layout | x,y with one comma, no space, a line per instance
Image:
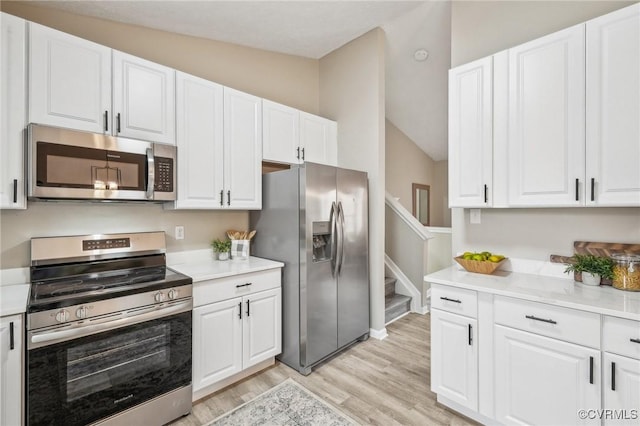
206,292
453,299
566,324
621,336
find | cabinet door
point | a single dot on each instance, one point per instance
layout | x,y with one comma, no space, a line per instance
217,342
242,150
318,139
13,110
546,120
621,389
199,139
613,109
470,134
262,326
69,80
281,133
540,381
143,99
454,358
11,354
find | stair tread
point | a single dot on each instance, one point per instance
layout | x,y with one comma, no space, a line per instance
395,300
389,280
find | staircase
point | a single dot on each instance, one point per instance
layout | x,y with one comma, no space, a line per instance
395,305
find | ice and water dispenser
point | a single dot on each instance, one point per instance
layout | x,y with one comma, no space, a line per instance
321,241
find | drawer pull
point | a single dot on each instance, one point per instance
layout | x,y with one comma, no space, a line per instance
613,376
243,285
451,300
550,321
634,340
591,370
470,335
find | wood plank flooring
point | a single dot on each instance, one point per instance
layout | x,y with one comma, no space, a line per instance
377,382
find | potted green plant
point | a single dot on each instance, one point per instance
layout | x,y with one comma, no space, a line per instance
222,247
593,268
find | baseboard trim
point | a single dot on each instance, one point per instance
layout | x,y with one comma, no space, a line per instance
378,334
398,317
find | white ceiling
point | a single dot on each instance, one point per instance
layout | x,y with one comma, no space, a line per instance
416,99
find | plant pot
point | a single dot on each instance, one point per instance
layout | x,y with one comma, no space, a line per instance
223,255
590,279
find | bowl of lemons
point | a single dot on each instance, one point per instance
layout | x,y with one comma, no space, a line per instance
480,262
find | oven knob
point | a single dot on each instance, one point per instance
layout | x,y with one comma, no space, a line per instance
62,315
159,297
81,312
172,294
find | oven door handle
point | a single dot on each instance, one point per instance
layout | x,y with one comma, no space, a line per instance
45,338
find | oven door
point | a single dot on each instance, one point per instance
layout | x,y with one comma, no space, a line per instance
80,381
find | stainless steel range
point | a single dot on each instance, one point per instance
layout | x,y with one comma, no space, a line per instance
108,332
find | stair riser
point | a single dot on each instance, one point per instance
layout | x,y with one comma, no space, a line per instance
396,311
389,287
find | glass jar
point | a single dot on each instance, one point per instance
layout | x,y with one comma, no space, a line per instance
626,271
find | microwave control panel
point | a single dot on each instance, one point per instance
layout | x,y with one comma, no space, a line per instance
164,174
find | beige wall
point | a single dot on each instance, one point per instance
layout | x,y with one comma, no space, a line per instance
352,92
481,28
283,78
406,163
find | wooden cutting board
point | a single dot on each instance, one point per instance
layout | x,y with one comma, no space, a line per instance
596,249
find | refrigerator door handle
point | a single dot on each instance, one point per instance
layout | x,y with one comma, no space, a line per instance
340,226
333,220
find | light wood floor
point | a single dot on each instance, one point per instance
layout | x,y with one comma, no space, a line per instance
378,382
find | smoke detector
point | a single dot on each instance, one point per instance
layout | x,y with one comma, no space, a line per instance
420,55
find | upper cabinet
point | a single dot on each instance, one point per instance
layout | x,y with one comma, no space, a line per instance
293,136
470,134
13,111
559,127
613,109
73,82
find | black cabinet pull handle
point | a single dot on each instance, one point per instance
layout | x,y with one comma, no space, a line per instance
634,340
577,189
298,153
11,337
591,369
613,376
593,189
486,191
248,309
15,191
222,197
243,285
451,300
240,310
228,198
106,121
302,154
470,335
550,321
118,123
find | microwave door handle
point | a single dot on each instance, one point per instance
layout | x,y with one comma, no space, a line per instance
151,173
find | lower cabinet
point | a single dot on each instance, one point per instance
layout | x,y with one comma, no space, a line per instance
11,369
232,332
540,381
621,390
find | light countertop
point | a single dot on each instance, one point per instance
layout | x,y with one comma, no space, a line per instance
209,269
551,290
13,299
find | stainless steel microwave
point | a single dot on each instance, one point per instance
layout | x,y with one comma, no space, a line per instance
70,164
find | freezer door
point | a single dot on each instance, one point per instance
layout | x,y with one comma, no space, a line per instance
353,259
318,292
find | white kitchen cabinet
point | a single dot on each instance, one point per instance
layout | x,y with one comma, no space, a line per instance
13,110
11,370
143,99
471,134
242,150
546,120
237,324
199,138
281,133
539,380
621,389
69,81
318,139
613,109
454,358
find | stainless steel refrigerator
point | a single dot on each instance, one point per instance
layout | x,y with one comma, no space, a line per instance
314,218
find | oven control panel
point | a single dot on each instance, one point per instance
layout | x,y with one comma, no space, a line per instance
109,243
